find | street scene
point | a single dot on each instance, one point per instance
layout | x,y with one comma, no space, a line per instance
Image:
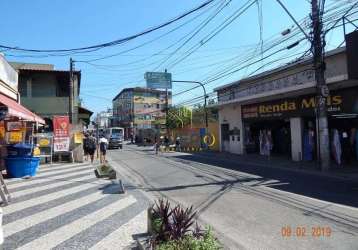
194,125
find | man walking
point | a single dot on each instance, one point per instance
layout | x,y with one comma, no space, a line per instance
103,144
92,146
86,146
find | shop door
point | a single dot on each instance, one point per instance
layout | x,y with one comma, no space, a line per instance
225,137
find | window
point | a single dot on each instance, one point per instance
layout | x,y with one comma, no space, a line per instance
43,86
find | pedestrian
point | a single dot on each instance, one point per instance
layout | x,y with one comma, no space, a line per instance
177,144
166,143
86,146
156,145
92,146
103,144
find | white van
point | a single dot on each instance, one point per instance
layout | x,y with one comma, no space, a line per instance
115,137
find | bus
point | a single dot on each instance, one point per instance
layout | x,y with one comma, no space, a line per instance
115,137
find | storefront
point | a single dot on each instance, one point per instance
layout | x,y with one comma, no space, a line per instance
287,126
17,124
274,113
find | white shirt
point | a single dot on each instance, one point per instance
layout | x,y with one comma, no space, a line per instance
103,140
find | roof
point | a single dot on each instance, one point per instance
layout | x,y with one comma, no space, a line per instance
140,89
40,66
279,69
84,110
17,110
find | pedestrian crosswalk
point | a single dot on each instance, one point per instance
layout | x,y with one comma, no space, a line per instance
66,207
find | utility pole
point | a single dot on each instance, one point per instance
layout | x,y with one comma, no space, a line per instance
70,99
166,109
318,43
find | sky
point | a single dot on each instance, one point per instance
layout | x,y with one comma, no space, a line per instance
61,24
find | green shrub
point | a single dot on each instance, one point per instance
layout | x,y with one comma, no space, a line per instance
173,229
189,242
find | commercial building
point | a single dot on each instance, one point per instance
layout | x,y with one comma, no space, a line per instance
277,109
137,109
46,91
104,119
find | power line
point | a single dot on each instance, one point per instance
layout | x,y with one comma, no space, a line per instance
115,42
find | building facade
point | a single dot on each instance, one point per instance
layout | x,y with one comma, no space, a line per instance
278,107
46,91
138,109
104,118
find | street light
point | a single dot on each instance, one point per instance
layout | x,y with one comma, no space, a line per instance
205,102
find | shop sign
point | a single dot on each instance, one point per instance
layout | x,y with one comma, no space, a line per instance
44,142
15,136
345,101
2,132
298,78
14,126
61,126
61,144
78,137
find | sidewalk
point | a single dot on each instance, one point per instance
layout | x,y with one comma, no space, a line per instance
347,173
66,207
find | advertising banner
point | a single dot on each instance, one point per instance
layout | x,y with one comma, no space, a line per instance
342,101
61,126
61,144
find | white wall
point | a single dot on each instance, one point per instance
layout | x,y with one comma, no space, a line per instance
231,114
296,124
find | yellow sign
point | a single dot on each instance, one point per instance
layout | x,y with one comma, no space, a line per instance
44,142
210,140
15,136
2,132
78,137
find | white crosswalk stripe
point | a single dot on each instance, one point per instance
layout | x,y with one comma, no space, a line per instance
59,183
54,238
30,221
46,198
43,169
122,237
76,208
61,174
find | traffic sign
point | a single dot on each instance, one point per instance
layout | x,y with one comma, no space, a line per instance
158,80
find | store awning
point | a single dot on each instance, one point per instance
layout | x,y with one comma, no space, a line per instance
17,110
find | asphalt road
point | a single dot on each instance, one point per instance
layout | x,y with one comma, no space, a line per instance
249,207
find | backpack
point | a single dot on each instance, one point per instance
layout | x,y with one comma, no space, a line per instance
91,143
86,143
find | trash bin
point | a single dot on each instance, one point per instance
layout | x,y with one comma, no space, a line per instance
22,166
20,162
19,150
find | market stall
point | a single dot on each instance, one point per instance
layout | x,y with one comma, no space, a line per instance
17,127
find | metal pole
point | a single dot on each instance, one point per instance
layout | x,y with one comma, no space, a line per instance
205,102
70,99
321,87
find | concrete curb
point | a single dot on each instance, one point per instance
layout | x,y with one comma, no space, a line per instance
296,170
